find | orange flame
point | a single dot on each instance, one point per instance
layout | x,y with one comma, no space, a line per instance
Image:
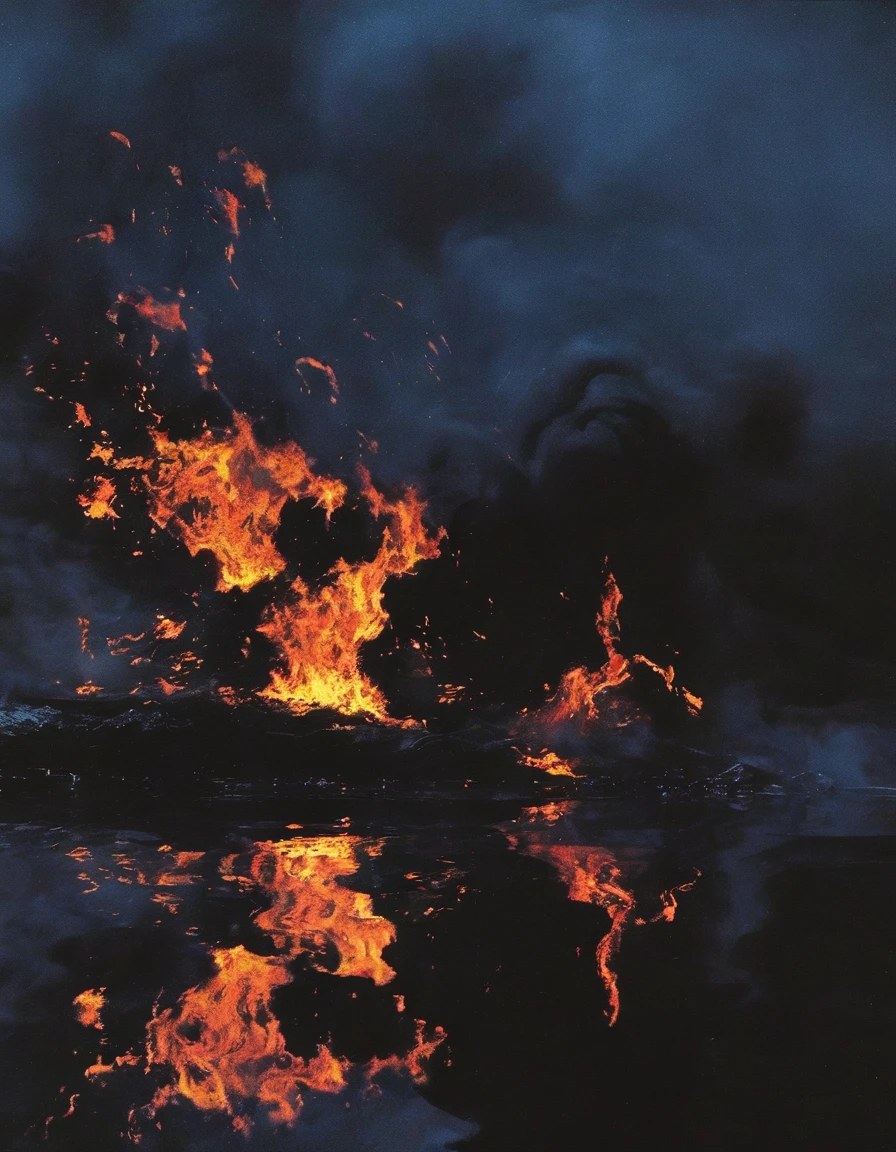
157,312
105,234
88,688
230,208
223,492
320,634
89,1005
311,908
576,697
81,416
121,138
549,762
253,175
310,362
592,876
221,1043
97,500
224,1046
167,629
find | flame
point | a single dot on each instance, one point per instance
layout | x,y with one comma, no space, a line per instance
81,416
592,875
177,174
223,492
253,175
203,363
311,909
576,698
105,233
221,1043
158,312
97,499
88,688
549,762
224,1046
310,362
230,208
320,634
121,138
89,1005
167,629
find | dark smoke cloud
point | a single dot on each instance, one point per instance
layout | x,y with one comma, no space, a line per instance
656,236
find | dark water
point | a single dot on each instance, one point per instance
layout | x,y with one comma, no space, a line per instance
761,1016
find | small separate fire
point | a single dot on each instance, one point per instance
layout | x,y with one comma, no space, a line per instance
575,703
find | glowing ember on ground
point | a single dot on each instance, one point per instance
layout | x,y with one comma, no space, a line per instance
319,634
549,762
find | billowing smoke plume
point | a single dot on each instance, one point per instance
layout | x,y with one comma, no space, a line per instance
602,278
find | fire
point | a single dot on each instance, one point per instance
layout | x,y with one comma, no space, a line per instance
549,762
81,416
158,312
320,634
121,138
221,1044
224,1048
89,1005
310,362
223,492
230,207
592,875
166,629
576,698
97,499
311,909
253,175
203,363
88,689
105,234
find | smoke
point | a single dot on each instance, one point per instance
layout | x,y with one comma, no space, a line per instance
644,257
